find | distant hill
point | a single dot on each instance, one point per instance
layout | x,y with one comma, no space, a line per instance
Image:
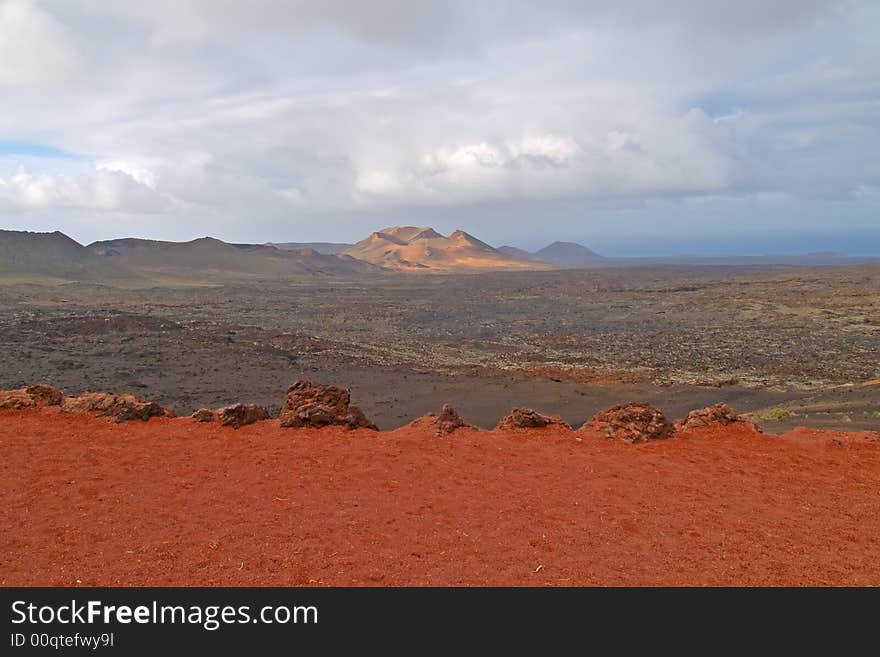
423,249
26,255
568,254
514,252
211,258
55,257
327,248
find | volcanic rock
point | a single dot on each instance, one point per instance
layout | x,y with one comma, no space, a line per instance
45,394
37,395
121,407
308,404
16,399
526,418
238,415
444,423
719,414
356,419
88,402
448,420
632,423
204,415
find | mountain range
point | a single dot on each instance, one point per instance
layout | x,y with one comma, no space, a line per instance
55,257
211,258
422,249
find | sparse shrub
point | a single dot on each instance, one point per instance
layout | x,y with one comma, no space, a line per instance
774,414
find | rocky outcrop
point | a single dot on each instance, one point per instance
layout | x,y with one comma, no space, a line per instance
120,407
31,396
239,415
636,422
308,404
526,418
717,415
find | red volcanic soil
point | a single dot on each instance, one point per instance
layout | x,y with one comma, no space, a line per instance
175,502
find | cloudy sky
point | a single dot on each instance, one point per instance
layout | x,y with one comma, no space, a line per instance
682,126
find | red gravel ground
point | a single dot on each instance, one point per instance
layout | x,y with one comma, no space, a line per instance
175,502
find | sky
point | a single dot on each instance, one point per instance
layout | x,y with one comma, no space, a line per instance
633,127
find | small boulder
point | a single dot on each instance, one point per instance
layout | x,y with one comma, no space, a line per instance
443,424
526,418
719,414
308,404
448,420
204,415
45,395
30,397
239,415
357,420
88,402
16,399
121,407
632,423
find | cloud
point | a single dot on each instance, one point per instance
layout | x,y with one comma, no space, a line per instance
263,120
455,23
685,154
140,174
35,49
102,190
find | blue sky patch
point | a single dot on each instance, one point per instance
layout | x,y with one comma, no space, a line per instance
28,149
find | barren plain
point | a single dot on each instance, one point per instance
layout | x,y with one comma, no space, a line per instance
793,346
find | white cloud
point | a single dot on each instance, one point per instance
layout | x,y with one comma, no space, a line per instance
687,154
139,174
101,190
267,120
35,49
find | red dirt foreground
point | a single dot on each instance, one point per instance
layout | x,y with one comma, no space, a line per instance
173,501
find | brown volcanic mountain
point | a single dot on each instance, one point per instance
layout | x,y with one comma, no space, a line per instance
52,257
209,258
422,249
